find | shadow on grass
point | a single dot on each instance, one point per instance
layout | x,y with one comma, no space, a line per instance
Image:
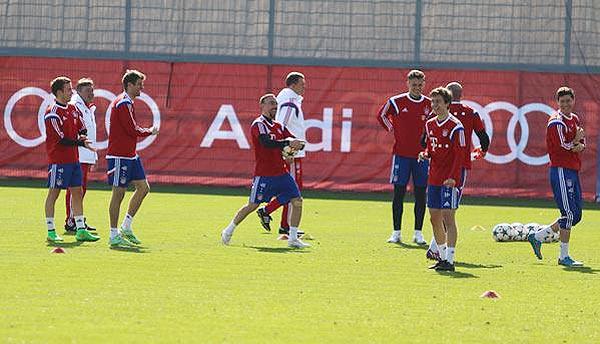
456,274
411,247
129,249
64,244
583,270
476,266
276,249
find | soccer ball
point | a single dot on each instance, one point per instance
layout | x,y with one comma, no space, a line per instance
288,152
550,238
518,231
531,228
501,232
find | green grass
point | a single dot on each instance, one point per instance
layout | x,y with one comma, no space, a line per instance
349,287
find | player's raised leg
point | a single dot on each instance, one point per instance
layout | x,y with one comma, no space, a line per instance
241,214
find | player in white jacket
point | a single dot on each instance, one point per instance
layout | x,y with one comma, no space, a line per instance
289,113
82,100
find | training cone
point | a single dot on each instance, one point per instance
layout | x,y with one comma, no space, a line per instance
490,294
58,250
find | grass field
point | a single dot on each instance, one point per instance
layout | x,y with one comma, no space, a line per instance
351,286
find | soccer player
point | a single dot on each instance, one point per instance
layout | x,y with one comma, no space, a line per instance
405,114
271,177
290,115
124,164
446,145
471,122
565,140
64,133
82,100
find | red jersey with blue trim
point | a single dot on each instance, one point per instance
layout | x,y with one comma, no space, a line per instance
446,144
123,129
471,122
406,117
62,121
560,135
269,161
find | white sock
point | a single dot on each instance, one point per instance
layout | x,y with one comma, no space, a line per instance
113,232
543,232
450,255
564,250
293,233
230,228
433,245
418,234
50,223
79,222
442,251
127,221
396,234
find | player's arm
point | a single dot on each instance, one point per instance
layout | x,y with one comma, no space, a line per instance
287,112
384,115
125,116
459,144
54,130
556,138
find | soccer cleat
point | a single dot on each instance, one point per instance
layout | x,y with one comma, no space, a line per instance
89,228
419,241
226,237
536,245
70,227
128,234
83,235
434,266
119,241
395,239
432,255
569,262
286,231
265,219
53,237
297,244
444,265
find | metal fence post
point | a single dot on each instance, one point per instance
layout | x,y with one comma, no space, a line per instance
418,14
127,26
271,33
568,24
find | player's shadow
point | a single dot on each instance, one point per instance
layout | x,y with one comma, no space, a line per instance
65,244
456,274
583,270
132,249
476,266
411,247
277,249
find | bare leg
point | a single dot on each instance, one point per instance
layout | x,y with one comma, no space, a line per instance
244,212
142,188
296,212
76,201
449,219
115,204
51,201
435,216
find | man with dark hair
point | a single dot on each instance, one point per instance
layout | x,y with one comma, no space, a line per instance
271,178
82,100
124,164
290,115
565,140
65,132
405,114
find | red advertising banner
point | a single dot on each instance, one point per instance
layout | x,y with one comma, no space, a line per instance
205,111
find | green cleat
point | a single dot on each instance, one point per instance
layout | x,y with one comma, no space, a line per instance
53,237
128,234
83,235
119,241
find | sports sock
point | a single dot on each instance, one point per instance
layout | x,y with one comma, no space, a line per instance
418,234
433,245
272,206
114,232
564,250
79,222
230,228
543,232
293,233
450,255
396,234
50,223
442,251
127,221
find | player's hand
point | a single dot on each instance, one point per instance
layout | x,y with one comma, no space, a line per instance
289,160
579,135
478,153
449,182
578,147
92,167
423,156
297,144
88,144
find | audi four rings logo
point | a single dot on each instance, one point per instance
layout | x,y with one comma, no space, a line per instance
47,99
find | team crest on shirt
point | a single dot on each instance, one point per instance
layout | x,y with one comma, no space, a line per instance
61,170
445,132
124,168
427,110
59,182
569,182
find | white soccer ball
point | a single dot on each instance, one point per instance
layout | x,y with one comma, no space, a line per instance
532,228
288,152
501,232
518,231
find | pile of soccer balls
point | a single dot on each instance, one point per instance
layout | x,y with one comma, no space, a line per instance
518,232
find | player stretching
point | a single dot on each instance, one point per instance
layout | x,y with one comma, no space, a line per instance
124,165
565,140
446,143
290,115
405,114
64,133
472,123
271,177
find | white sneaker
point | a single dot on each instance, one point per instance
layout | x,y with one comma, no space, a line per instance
226,237
419,240
395,239
297,244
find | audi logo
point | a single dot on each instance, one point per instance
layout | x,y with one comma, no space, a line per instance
48,98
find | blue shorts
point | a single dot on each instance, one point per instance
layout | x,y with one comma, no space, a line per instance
62,176
122,171
567,195
283,187
443,197
403,168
